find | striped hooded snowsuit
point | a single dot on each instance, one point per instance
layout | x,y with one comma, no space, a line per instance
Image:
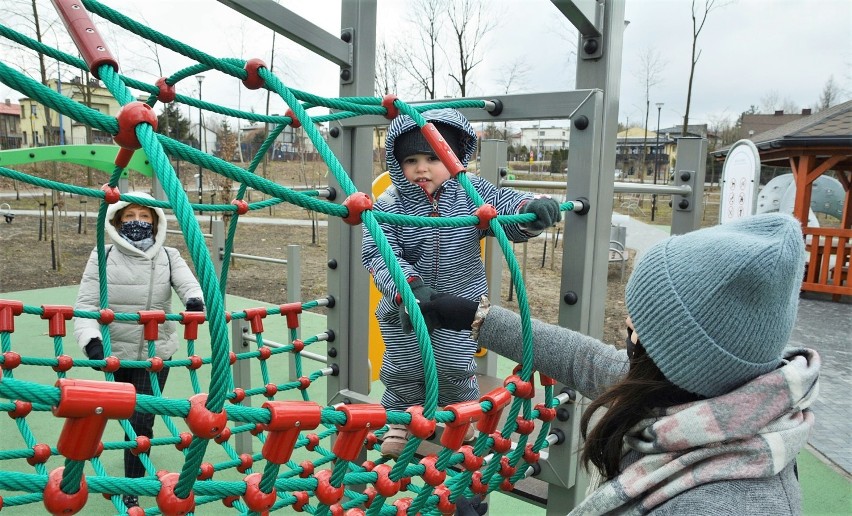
446,259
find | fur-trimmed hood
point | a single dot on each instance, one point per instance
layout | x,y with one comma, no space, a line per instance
124,245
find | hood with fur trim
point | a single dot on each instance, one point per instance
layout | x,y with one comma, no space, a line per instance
124,245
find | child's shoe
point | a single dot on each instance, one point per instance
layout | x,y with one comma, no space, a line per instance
394,441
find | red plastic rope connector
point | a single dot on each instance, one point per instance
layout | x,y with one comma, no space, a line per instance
129,116
41,452
63,363
57,315
444,506
294,122
254,81
525,426
242,206
92,47
499,399
384,485
432,475
201,421
190,323
466,412
11,360
485,213
531,456
111,194
255,498
301,500
545,380
86,405
476,484
360,419
151,320
442,149
59,503
506,469
168,501
8,311
255,317
388,104
420,426
167,91
525,390
356,203
291,311
106,316
286,420
546,414
472,461
22,409
325,492
402,505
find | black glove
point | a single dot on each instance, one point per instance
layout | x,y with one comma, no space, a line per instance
546,211
470,506
423,295
95,351
194,304
450,312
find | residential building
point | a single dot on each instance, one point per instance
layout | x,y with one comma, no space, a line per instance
756,123
37,129
10,125
630,145
543,140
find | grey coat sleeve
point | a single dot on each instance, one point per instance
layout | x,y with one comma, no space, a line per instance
182,278
579,361
88,299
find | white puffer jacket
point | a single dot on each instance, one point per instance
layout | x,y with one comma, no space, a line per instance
137,280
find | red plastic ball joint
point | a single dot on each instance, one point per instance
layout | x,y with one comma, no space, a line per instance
388,104
224,436
59,503
356,203
294,121
432,475
111,194
501,444
112,364
301,500
420,426
263,353
325,492
485,213
384,485
206,471
531,456
195,362
185,441
254,81
506,468
63,363
11,360
523,389
41,452
239,395
143,445
525,426
168,501
246,462
255,498
22,409
107,316
242,206
167,91
129,116
471,462
476,484
155,365
307,468
313,442
201,421
444,506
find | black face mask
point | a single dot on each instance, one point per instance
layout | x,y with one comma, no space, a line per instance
136,230
631,347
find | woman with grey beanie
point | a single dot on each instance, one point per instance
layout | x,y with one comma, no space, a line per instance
707,408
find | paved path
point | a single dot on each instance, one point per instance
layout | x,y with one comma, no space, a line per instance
822,325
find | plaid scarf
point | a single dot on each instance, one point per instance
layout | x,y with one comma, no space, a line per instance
754,431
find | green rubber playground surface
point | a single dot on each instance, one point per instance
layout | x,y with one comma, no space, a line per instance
825,491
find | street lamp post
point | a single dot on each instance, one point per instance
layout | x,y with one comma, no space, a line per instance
656,161
200,133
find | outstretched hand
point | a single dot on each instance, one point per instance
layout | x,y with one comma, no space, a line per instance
448,311
546,211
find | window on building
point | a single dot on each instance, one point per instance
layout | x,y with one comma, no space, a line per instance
25,137
34,109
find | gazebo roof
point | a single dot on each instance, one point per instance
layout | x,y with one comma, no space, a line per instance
826,133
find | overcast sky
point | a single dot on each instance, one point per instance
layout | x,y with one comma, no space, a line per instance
752,51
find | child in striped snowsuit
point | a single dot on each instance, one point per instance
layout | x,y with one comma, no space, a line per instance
435,260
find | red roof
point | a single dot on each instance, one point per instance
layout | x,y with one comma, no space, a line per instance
10,109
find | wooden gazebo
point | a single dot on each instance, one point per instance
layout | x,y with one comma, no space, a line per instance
812,146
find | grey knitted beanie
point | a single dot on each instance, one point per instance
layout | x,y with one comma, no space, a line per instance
413,142
715,308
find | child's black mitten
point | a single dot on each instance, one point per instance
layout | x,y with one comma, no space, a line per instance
423,294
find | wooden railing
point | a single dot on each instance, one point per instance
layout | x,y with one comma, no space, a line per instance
827,268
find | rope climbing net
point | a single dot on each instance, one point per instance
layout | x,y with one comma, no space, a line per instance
270,479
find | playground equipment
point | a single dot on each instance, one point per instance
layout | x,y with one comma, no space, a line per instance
6,210
517,438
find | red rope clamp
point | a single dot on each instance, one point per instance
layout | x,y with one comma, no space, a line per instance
472,461
432,475
8,311
294,122
11,360
129,116
286,420
151,319
167,501
360,419
525,390
63,363
254,81
476,484
525,426
41,452
444,506
420,426
190,322
57,314
242,206
485,213
111,194
501,444
499,399
384,485
201,421
546,414
531,456
506,469
301,500
86,405
106,316
255,317
22,409
442,149
167,91
466,413
291,311
325,492
388,104
92,47
255,498
59,503
356,203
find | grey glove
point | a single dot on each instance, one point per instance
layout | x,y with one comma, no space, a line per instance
423,294
546,211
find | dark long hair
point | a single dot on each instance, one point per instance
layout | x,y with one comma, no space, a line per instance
638,396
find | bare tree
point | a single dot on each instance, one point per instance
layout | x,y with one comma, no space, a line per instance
387,69
772,102
514,77
650,69
470,24
420,58
697,26
829,96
